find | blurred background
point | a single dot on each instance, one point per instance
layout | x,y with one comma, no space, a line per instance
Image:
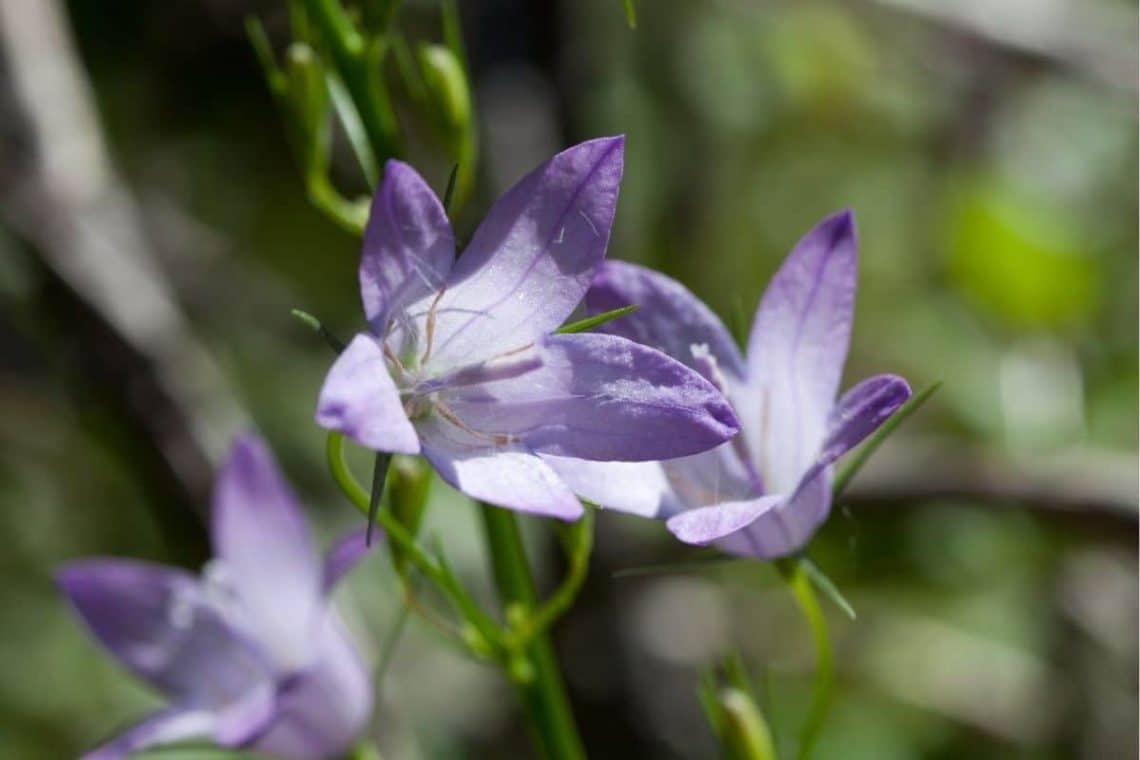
154,235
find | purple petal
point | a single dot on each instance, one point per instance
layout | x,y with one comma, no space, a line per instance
408,246
265,550
161,728
669,318
638,488
861,411
707,524
532,259
500,475
158,622
601,397
326,706
788,526
797,350
360,400
345,553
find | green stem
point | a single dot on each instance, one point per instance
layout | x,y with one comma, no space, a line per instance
536,675
359,60
799,582
435,571
578,559
350,217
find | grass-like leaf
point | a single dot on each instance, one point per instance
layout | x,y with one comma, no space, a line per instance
590,323
826,586
844,476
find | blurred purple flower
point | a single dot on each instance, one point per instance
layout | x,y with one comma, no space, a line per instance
461,363
765,492
250,654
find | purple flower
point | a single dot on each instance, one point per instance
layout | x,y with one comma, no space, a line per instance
765,492
249,654
461,363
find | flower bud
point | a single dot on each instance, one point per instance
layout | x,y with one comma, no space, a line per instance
449,92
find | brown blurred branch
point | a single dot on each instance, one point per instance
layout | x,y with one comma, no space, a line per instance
62,196
1081,483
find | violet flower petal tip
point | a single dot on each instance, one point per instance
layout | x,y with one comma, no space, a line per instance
409,246
360,399
346,553
530,261
707,524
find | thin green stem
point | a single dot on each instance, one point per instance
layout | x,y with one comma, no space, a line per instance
800,584
349,216
578,559
536,674
435,571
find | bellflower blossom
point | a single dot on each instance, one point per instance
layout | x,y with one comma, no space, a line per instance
250,654
461,363
764,493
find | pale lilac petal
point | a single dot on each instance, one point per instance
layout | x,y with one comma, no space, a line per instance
638,488
601,397
788,526
707,524
165,727
408,246
497,474
158,622
346,553
231,725
712,477
669,317
797,350
325,707
360,400
265,551
531,260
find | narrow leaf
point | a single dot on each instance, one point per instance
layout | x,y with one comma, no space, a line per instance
630,14
314,324
826,586
677,568
379,475
449,193
844,476
354,129
590,323
259,40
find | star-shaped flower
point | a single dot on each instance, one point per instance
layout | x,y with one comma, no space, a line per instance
249,654
462,364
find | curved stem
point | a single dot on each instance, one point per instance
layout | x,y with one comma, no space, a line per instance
579,546
535,669
398,534
799,582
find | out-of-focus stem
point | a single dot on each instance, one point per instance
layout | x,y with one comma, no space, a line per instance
745,731
799,582
538,679
434,570
359,60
